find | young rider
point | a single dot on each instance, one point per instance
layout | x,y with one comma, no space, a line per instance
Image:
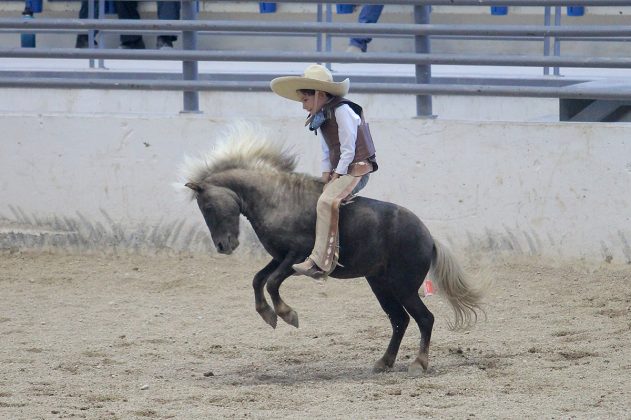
348,154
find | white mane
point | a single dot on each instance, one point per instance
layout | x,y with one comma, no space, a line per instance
242,146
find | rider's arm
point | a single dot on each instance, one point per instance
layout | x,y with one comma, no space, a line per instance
347,123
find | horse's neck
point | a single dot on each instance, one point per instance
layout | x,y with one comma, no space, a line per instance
255,194
280,208
266,199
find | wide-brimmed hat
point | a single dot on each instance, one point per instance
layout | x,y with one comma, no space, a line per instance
315,77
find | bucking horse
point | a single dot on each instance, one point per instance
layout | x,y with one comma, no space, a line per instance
246,174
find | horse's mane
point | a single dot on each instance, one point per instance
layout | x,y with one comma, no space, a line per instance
242,146
245,145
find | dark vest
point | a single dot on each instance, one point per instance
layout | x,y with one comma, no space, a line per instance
364,147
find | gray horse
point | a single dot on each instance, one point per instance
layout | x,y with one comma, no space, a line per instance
383,242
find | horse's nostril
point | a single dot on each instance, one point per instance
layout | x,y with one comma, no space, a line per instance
220,247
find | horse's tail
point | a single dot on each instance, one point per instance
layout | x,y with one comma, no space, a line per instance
450,278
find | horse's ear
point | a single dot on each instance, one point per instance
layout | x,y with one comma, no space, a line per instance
193,186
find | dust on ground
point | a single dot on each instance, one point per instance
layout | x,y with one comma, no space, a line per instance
133,336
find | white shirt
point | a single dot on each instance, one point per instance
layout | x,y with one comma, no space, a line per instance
347,123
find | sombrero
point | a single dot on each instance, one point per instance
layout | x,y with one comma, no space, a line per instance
315,77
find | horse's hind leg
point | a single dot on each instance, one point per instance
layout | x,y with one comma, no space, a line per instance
274,281
399,320
258,283
425,320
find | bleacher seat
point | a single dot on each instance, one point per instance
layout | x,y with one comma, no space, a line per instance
267,7
499,10
344,9
575,10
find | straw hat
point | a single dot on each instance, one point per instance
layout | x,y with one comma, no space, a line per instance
316,77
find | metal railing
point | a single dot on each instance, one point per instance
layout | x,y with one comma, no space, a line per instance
422,31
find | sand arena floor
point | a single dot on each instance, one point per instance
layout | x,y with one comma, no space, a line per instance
119,337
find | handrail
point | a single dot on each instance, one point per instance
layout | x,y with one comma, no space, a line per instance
300,57
314,27
566,92
509,3
422,58
529,3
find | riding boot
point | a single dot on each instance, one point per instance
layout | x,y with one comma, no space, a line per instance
308,268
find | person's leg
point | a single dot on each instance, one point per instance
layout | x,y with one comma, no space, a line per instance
82,39
83,12
167,10
129,10
370,13
325,248
361,184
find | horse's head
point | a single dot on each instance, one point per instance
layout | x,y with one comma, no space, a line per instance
220,208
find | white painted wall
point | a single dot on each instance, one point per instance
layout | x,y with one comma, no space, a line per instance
554,189
257,105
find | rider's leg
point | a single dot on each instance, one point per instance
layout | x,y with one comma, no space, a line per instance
323,254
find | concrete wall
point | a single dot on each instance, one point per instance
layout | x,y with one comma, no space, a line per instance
257,105
552,189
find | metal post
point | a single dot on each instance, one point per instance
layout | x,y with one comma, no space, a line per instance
101,62
546,39
424,71
557,42
319,35
189,68
329,19
91,11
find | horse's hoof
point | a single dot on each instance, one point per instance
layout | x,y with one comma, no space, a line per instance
381,366
269,316
290,317
418,367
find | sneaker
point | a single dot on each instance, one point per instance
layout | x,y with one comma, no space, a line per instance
308,268
82,41
163,43
353,49
136,45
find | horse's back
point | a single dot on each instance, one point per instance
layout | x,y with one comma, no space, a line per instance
375,234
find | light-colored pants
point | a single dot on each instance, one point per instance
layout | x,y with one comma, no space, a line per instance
325,253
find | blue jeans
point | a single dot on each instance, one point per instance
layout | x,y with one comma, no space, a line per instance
362,183
369,14
169,10
124,10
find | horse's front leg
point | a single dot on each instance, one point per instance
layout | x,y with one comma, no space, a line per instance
258,283
274,281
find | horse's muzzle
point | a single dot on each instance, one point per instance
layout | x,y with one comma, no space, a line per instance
226,246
